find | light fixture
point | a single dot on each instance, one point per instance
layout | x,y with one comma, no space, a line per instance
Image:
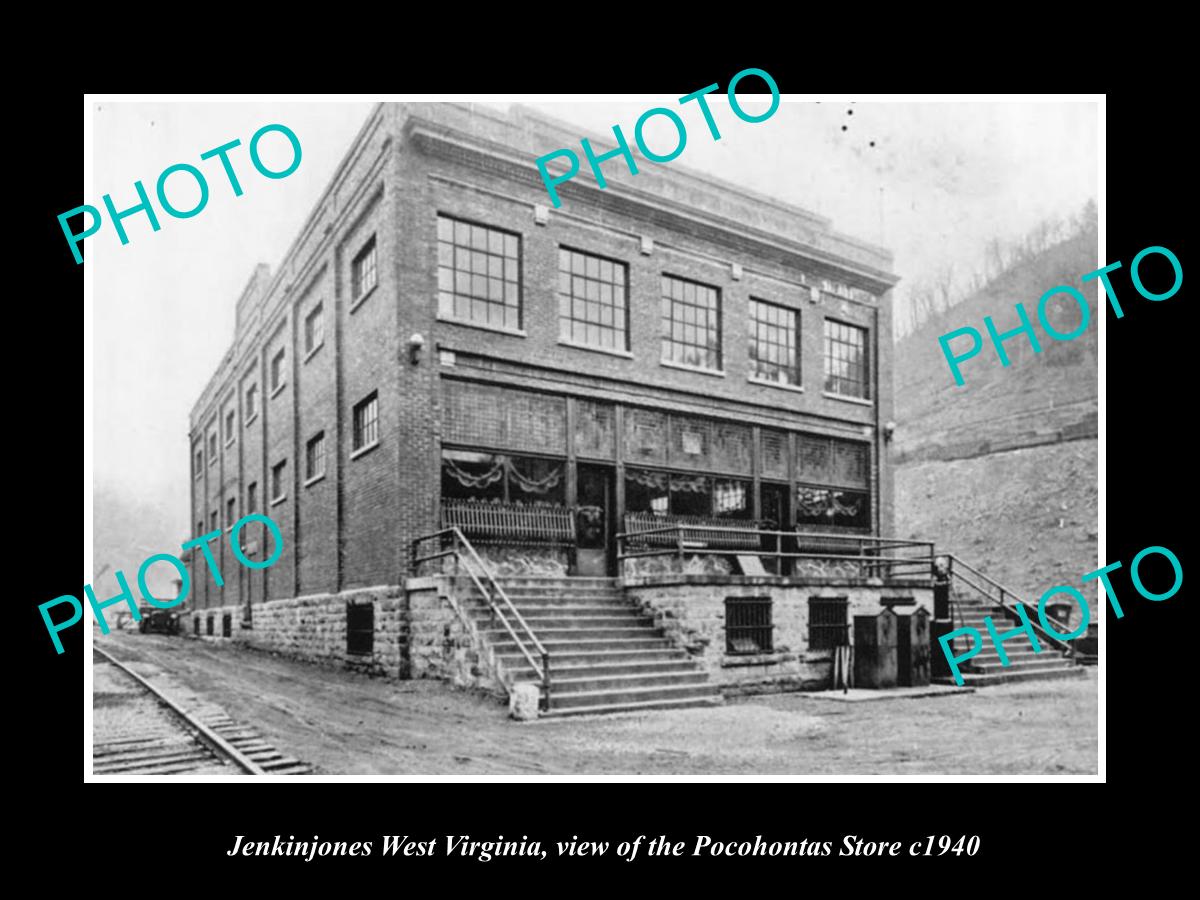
416,344
889,429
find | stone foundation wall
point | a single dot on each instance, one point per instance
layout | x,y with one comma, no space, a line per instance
691,610
443,641
188,620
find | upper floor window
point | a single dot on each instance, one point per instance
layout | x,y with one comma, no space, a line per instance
363,272
278,488
230,511
199,463
230,425
251,402
252,498
479,273
314,328
774,338
366,422
277,369
691,323
846,360
212,448
314,457
593,304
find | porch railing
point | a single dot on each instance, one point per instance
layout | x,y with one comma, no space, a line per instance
872,554
451,543
998,595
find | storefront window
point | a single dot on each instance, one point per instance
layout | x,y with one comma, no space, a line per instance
830,506
691,495
731,499
502,479
646,492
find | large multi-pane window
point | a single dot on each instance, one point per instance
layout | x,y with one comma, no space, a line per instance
593,305
846,360
774,338
314,328
479,273
679,494
314,457
363,271
691,323
366,422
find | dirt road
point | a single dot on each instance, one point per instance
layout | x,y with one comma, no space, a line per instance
347,724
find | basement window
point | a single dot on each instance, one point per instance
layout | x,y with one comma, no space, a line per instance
748,627
360,628
210,626
828,626
227,625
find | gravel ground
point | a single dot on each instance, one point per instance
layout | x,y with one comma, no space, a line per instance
350,724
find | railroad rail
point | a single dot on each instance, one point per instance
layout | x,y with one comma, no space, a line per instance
145,732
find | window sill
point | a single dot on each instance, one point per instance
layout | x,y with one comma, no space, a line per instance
279,390
700,370
229,443
467,323
199,475
313,352
858,401
607,350
363,451
250,420
275,501
212,462
314,480
794,388
355,304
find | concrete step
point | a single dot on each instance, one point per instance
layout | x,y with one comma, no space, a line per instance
540,613
1023,665
617,657
584,699
562,601
640,706
528,594
570,584
1006,676
557,648
572,633
551,624
1016,656
574,684
521,670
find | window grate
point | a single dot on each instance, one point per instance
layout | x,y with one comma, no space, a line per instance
828,626
748,626
360,628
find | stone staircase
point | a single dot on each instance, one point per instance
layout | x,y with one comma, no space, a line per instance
985,668
605,656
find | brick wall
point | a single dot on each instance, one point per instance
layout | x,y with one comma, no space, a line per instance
691,610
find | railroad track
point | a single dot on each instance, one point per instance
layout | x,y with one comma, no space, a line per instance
139,730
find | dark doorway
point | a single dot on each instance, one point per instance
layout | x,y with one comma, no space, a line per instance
596,521
776,510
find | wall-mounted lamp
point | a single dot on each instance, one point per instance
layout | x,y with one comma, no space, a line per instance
416,344
889,429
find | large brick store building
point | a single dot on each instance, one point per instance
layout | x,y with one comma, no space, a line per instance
440,348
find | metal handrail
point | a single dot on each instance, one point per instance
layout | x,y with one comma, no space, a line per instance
955,562
871,556
489,596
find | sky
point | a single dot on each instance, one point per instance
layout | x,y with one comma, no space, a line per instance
940,180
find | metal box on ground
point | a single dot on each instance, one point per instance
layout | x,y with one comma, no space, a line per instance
875,649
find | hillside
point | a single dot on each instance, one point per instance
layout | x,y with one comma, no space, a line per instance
126,530
1002,470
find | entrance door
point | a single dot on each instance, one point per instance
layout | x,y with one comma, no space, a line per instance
596,521
777,509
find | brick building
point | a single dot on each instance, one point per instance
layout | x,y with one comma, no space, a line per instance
439,347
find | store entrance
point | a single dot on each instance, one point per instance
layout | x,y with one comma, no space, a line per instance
596,550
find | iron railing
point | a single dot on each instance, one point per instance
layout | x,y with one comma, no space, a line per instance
998,595
452,544
874,555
